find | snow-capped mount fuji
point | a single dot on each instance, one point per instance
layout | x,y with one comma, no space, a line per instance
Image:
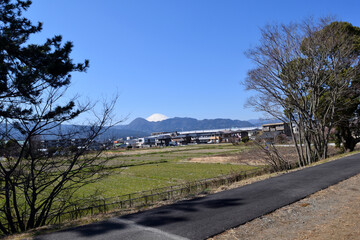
157,117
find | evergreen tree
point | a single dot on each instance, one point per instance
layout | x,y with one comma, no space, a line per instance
26,70
36,186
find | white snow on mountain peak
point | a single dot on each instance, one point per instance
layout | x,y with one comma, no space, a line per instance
156,117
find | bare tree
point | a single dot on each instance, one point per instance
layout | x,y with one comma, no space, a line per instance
302,70
37,187
272,155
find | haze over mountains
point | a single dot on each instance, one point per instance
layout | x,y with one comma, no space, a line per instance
140,127
182,124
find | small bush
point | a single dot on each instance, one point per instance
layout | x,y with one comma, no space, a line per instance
282,138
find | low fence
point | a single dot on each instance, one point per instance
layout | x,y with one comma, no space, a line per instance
145,198
127,202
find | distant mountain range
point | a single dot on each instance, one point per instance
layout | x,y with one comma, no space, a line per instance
141,127
112,133
182,124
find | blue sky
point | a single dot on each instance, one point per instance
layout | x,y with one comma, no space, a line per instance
180,58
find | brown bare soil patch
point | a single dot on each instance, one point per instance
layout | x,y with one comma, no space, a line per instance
227,159
253,156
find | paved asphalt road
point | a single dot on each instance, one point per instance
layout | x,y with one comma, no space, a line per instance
204,217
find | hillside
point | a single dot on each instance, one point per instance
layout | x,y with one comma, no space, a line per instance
182,124
112,133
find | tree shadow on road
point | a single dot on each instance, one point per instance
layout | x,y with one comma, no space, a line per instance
170,214
178,212
85,231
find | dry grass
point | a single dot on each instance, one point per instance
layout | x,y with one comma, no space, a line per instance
253,156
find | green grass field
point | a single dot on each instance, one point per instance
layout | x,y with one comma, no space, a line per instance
155,168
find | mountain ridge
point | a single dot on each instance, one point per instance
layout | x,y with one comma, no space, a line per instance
183,124
140,127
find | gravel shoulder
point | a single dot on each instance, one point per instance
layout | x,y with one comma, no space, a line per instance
332,213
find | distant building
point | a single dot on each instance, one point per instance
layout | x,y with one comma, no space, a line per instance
160,133
79,143
146,142
190,137
272,130
63,142
182,139
163,140
130,142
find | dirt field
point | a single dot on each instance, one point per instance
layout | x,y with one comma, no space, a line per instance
228,159
252,156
